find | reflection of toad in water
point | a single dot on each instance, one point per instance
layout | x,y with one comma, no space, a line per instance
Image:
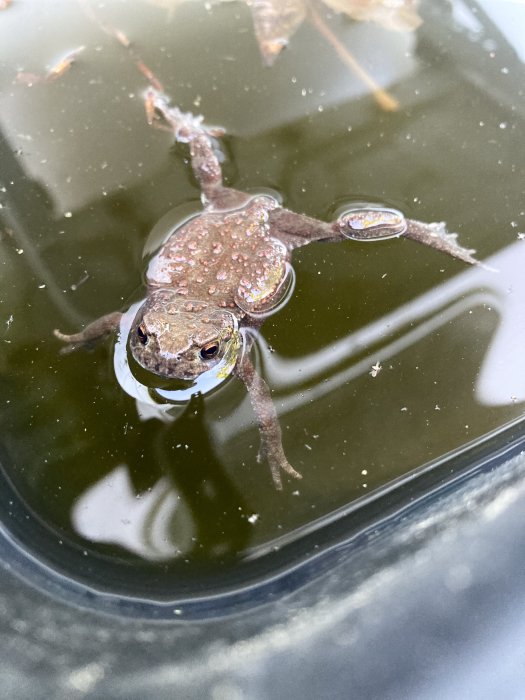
191,510
226,270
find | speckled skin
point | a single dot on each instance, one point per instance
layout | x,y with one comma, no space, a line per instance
218,255
208,276
227,268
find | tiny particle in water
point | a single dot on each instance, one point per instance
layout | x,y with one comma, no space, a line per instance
503,125
63,65
122,38
252,519
375,369
364,472
68,214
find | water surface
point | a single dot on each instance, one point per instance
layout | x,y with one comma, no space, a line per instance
93,484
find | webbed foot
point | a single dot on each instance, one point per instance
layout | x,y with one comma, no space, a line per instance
188,128
274,455
437,236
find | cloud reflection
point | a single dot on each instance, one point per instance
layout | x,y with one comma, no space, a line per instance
111,512
500,380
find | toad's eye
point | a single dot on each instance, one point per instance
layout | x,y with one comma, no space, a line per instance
210,350
143,336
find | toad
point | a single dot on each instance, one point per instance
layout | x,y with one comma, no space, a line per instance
226,270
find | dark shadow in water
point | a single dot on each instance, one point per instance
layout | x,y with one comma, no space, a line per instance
184,452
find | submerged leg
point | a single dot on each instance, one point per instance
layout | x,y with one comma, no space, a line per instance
367,224
189,129
92,334
269,428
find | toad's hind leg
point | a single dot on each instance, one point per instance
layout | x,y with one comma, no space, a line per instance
189,129
366,224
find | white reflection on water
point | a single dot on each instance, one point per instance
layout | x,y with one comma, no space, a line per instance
500,381
501,378
111,512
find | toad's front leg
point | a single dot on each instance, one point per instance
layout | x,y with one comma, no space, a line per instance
365,224
269,428
92,334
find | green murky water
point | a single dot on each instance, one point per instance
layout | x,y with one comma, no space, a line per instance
84,180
